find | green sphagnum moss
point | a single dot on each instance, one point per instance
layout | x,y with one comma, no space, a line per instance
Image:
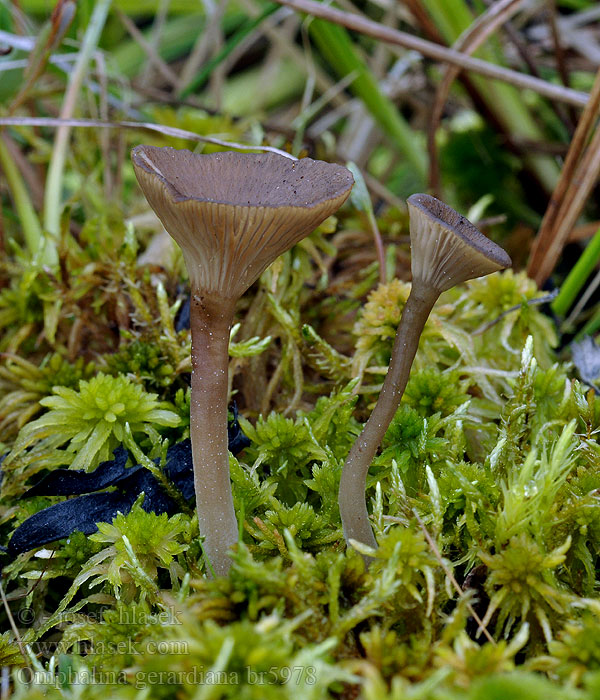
494,447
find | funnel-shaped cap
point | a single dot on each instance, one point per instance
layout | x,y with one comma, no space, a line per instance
234,213
446,249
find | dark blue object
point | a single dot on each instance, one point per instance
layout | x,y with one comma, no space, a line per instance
182,319
82,513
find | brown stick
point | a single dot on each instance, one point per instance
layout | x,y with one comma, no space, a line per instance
579,189
559,51
580,233
547,247
436,52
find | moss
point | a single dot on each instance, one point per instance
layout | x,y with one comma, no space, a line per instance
92,420
492,457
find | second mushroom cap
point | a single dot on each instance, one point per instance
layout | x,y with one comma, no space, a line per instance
446,248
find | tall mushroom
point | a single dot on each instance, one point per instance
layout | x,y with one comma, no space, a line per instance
446,249
232,214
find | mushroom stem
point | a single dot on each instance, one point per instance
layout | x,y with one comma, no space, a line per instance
211,325
353,506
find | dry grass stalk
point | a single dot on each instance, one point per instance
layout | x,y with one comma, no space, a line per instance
485,25
436,553
438,53
579,174
152,54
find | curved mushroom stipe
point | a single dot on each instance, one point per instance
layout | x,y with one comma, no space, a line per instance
446,249
232,214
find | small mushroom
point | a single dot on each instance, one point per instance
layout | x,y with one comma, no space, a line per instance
232,214
446,249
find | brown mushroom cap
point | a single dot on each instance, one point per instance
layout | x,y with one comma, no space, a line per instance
234,213
446,249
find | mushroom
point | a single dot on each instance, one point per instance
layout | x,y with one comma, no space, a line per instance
446,249
232,214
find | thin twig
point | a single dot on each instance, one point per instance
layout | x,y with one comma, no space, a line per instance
452,579
524,50
380,60
485,25
585,297
432,34
490,221
546,299
561,63
544,147
311,109
522,47
52,196
322,80
155,38
200,51
13,626
559,51
166,130
150,50
424,20
217,75
583,231
380,190
438,53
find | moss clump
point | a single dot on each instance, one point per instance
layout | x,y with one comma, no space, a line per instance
430,391
93,419
142,359
488,474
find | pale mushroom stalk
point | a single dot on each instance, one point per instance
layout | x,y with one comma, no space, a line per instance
211,323
446,249
353,506
232,214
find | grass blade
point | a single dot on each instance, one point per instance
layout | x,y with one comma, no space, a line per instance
337,48
197,82
577,276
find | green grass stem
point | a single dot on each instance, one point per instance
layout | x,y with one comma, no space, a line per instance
577,276
452,18
30,224
198,81
590,327
337,49
54,180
